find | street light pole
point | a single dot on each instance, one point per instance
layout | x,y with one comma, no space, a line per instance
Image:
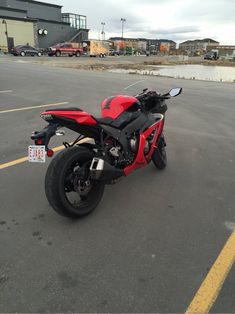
123,21
103,32
6,32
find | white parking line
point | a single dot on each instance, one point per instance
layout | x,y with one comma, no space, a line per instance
34,107
134,84
6,91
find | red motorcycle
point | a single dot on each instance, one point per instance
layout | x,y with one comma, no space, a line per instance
127,137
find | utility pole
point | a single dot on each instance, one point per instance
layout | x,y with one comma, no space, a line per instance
6,32
123,21
102,31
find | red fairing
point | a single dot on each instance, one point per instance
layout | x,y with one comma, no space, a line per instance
113,106
81,117
141,159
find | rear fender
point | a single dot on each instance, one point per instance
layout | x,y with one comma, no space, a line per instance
43,137
88,143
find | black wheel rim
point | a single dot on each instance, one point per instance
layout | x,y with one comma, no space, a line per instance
77,197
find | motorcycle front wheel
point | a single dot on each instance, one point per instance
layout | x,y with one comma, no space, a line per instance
159,156
68,186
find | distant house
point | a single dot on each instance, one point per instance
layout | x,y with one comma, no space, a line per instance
125,44
200,45
144,44
153,46
166,45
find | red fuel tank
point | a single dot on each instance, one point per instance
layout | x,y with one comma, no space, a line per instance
114,106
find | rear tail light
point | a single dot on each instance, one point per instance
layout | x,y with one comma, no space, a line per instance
39,142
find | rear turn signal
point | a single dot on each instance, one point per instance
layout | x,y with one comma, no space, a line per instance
50,153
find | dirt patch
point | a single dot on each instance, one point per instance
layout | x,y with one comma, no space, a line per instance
126,63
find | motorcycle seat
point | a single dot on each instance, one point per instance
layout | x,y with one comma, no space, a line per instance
65,109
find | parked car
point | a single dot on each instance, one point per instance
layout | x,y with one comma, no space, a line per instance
142,53
212,55
113,52
69,49
26,50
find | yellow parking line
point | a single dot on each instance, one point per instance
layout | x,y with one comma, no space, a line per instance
24,159
34,107
14,162
212,284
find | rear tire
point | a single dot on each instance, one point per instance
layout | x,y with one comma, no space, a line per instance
60,181
159,156
77,54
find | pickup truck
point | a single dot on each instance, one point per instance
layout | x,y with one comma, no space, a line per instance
62,49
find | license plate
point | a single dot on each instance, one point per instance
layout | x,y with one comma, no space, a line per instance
36,153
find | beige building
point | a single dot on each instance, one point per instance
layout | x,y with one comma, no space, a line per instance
227,51
197,45
40,24
16,32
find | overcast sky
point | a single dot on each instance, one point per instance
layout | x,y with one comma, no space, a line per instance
178,20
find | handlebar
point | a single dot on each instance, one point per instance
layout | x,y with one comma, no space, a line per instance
146,95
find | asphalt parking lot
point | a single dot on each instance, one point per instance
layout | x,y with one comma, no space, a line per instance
154,238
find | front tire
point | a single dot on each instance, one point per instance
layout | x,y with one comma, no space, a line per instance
159,156
58,53
62,181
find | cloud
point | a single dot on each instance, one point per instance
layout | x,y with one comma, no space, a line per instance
210,11
180,30
158,18
140,30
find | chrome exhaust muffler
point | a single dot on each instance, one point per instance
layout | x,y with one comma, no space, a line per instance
101,170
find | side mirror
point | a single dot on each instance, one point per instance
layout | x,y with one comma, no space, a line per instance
175,91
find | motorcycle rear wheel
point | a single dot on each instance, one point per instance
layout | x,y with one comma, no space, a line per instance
159,156
68,187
